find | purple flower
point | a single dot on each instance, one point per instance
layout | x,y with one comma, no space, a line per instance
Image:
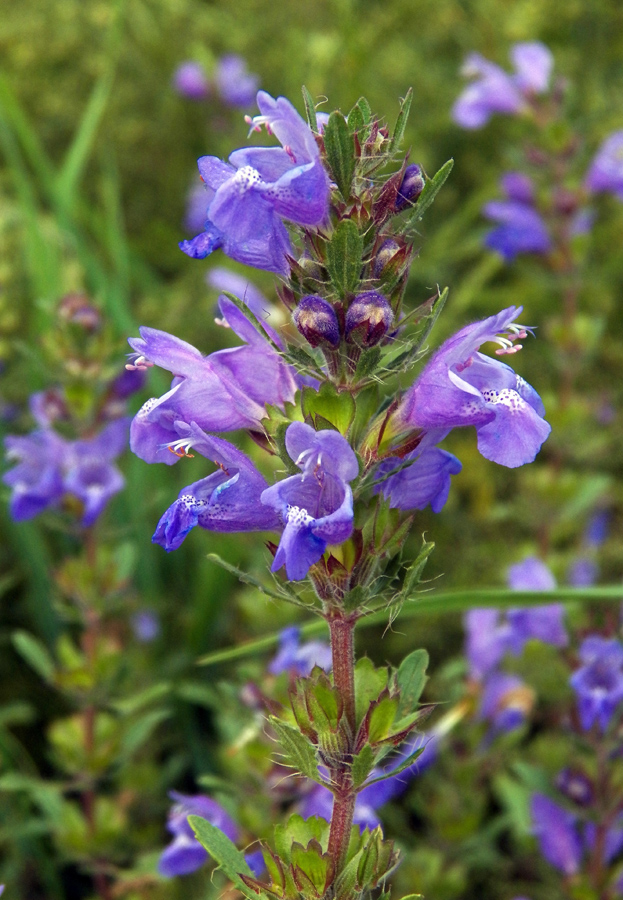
226,501
613,843
597,529
543,623
185,854
461,386
247,198
599,681
492,90
531,574
49,467
191,81
221,392
422,477
195,212
557,834
235,84
582,572
316,507
505,702
521,228
145,625
487,640
292,656
606,170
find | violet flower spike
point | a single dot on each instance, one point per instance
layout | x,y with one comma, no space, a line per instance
248,197
461,386
235,84
224,391
493,90
316,508
226,501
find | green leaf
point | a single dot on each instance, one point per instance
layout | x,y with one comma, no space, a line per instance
337,408
368,362
355,120
245,577
366,110
340,148
141,730
401,121
411,678
370,682
130,705
403,765
382,718
439,304
300,754
223,851
344,253
362,765
310,109
431,189
35,653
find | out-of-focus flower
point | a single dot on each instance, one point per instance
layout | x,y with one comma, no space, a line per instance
505,702
606,170
557,834
145,625
543,623
582,572
576,786
191,81
316,507
50,467
598,683
521,228
292,656
461,386
221,392
492,90
487,640
247,198
235,84
185,854
224,280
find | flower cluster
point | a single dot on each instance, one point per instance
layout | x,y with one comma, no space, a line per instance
49,468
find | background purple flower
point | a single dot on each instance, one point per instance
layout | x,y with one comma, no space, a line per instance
557,834
292,656
191,81
521,228
235,84
185,854
598,682
492,90
606,170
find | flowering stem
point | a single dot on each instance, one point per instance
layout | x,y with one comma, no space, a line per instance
342,630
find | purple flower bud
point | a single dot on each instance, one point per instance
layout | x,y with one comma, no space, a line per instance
190,81
145,626
185,854
368,319
575,786
410,188
386,252
315,318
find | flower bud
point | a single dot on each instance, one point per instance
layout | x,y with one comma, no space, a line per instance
368,319
315,318
78,309
576,786
411,187
384,256
190,81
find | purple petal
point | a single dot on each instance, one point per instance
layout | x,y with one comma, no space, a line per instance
533,63
557,834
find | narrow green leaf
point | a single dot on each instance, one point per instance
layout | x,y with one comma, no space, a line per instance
310,109
411,680
368,362
340,148
245,577
35,653
366,110
403,765
298,750
382,718
401,121
130,705
355,120
414,572
362,765
344,253
431,189
141,730
223,851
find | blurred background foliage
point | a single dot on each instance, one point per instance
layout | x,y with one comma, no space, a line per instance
97,156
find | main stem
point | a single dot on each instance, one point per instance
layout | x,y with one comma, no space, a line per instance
342,629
